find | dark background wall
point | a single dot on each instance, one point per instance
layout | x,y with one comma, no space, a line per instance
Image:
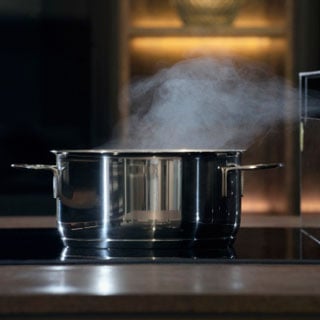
58,90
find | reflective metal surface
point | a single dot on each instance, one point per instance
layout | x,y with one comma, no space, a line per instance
107,199
133,199
146,200
127,152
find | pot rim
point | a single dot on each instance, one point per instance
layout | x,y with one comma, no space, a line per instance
143,151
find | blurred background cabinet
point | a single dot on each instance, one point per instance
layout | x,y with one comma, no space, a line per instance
154,36
65,64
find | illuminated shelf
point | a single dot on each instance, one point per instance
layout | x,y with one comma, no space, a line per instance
208,32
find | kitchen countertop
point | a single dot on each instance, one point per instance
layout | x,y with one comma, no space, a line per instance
171,291
248,220
160,289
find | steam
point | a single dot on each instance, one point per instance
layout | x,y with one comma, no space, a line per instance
202,103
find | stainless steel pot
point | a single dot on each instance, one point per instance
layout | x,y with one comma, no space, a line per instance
148,198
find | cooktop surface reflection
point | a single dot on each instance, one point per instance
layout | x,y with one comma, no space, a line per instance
253,245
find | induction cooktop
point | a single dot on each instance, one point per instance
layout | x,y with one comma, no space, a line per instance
252,245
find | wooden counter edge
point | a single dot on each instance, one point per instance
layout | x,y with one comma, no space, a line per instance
160,304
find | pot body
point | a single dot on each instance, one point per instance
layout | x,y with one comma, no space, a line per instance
147,200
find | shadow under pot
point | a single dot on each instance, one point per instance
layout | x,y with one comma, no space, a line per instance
148,198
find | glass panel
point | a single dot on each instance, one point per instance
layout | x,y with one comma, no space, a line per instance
310,152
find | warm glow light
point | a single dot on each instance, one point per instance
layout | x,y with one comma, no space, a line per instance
310,205
171,20
153,22
159,46
261,206
205,42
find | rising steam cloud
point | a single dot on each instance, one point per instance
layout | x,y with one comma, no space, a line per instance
202,103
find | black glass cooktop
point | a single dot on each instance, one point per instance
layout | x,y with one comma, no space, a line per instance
253,245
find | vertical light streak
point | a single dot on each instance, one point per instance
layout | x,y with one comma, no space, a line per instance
154,190
105,193
198,190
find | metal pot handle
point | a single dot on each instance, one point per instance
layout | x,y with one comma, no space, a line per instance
51,168
249,167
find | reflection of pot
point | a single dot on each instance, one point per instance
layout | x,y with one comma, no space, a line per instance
207,12
150,198
80,254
